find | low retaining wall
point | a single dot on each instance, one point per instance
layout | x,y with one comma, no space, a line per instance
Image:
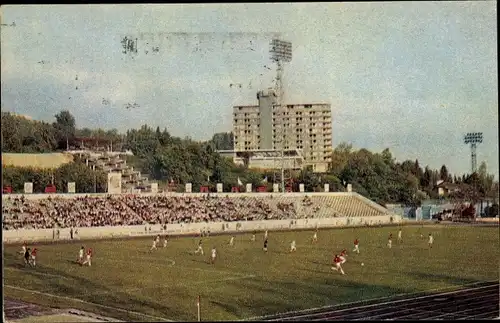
173,194
16,236
488,220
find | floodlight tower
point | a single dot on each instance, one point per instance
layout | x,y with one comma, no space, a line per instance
281,52
473,138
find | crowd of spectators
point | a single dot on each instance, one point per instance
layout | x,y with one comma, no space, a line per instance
134,210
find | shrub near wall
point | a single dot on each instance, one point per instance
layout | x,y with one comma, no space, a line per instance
85,178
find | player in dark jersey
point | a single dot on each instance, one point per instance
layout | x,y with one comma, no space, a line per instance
265,245
27,256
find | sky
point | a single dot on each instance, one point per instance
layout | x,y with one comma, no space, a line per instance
413,77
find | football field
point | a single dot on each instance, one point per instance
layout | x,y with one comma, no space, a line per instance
128,282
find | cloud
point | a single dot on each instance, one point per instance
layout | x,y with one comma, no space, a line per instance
386,68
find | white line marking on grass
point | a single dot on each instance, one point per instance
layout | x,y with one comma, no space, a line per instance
171,261
16,307
371,299
223,279
36,272
232,273
86,302
185,284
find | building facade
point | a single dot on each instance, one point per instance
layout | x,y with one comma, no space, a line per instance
304,127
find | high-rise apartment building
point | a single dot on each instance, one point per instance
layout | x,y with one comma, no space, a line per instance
305,127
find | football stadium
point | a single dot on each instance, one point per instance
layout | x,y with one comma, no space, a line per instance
129,279
152,175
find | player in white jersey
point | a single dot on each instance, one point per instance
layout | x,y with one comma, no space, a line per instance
356,246
153,247
231,241
389,241
23,248
315,236
80,255
431,240
157,239
165,241
253,236
400,236
293,246
214,255
342,256
265,235
200,248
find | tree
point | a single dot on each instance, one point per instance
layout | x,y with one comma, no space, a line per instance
340,156
417,171
87,180
310,180
387,156
21,135
223,141
142,142
335,184
485,182
443,173
426,179
245,155
65,127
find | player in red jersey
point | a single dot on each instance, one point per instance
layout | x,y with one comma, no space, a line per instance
89,258
337,264
356,246
33,257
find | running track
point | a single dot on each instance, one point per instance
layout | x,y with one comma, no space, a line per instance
480,301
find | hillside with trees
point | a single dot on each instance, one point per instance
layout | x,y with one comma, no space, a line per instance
167,158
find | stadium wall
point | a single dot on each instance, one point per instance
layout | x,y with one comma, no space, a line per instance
88,233
266,194
44,161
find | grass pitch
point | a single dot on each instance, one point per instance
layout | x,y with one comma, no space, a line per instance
128,282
